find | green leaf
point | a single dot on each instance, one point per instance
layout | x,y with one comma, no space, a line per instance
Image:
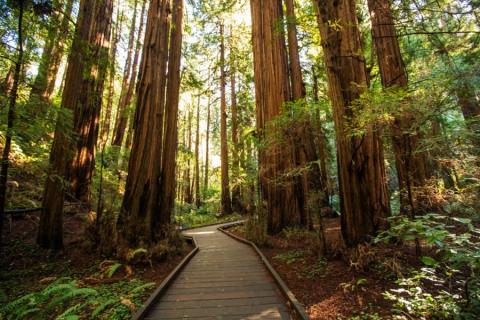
429,261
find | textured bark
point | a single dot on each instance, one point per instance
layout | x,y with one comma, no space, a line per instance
272,89
12,102
188,194
207,143
142,217
53,51
322,146
121,118
236,190
167,192
226,200
309,184
133,80
410,163
198,199
296,79
364,199
50,231
111,82
88,105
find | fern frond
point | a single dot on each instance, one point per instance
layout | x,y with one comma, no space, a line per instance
143,287
103,306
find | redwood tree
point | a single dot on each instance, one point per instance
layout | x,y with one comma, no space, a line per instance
226,200
272,90
83,91
86,116
410,163
364,198
143,211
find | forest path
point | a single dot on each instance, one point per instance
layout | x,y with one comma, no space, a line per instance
225,280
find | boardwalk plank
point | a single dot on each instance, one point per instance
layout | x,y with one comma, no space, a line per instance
225,280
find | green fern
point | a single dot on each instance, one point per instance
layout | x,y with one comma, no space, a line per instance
113,269
143,287
103,306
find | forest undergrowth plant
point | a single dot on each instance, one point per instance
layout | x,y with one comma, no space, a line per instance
448,286
68,299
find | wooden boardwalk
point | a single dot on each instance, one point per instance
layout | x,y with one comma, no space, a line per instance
225,280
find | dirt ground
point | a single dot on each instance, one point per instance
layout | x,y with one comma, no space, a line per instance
24,267
340,289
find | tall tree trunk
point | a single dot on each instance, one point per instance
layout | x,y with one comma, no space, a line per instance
272,90
50,232
167,192
12,102
310,181
296,78
142,217
111,81
322,145
207,142
226,200
410,163
364,198
86,115
236,190
198,199
188,189
44,84
122,118
131,86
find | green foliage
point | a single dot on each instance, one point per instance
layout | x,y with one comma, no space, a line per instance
435,291
315,270
290,257
67,299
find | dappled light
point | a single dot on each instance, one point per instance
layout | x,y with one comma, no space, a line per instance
239,159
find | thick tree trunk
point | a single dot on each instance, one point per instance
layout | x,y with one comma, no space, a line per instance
111,82
364,198
167,191
50,231
12,102
198,200
410,163
122,117
44,84
142,217
226,200
272,89
88,106
310,190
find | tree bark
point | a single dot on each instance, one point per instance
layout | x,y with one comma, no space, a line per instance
198,200
12,103
410,163
207,142
50,231
88,105
272,89
167,192
44,84
142,218
364,198
236,190
111,82
226,200
122,118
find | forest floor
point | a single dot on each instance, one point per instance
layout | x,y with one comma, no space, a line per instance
337,287
25,268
